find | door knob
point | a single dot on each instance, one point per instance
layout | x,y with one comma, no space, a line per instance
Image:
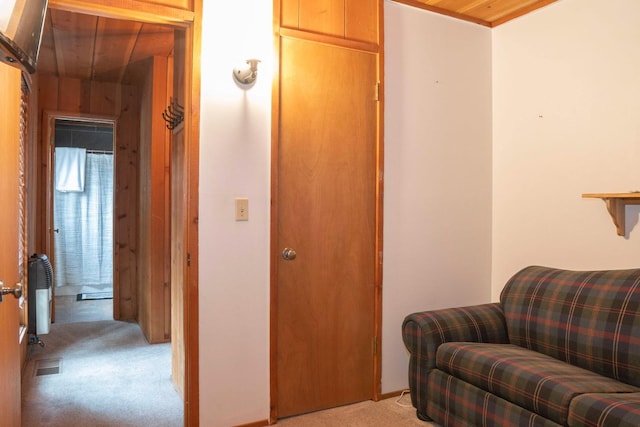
288,254
16,292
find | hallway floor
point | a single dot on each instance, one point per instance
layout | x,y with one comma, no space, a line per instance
69,310
94,371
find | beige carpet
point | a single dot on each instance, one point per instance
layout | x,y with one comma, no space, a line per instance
385,413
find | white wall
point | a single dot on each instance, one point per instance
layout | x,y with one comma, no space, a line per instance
566,121
437,188
235,145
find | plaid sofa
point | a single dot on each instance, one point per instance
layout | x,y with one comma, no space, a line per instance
561,348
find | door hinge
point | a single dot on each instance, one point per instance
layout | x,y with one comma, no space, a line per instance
375,346
377,91
188,259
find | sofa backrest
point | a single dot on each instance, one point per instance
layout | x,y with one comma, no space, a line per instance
590,319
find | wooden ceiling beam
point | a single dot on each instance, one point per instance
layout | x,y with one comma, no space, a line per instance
134,10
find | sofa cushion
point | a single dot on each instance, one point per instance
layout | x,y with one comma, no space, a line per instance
529,379
585,318
452,402
600,410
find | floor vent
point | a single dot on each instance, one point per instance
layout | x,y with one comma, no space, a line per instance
48,367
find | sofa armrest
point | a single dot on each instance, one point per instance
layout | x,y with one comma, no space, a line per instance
423,332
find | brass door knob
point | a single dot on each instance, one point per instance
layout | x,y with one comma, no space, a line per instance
288,254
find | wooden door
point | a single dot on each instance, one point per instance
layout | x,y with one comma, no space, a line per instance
9,244
326,210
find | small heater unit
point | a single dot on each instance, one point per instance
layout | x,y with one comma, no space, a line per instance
40,289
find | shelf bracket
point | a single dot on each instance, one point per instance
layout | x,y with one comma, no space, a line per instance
616,206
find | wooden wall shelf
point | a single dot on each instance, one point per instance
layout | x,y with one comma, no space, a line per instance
616,204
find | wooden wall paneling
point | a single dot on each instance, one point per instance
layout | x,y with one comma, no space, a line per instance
289,13
355,20
152,255
144,180
159,259
105,98
322,16
47,100
126,205
361,20
70,95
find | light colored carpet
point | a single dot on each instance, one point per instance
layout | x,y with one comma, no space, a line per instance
69,310
393,412
109,377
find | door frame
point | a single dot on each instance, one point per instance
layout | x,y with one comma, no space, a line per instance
379,187
48,123
191,23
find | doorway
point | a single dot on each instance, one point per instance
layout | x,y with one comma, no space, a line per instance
83,219
101,97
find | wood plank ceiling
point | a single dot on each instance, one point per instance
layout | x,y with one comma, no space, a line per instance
95,48
489,13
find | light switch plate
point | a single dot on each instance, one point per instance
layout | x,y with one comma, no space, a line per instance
242,209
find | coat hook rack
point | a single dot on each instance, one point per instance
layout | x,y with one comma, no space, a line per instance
173,114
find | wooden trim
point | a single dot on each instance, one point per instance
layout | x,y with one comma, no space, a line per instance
330,40
377,304
273,231
134,10
260,423
193,37
393,394
441,11
522,11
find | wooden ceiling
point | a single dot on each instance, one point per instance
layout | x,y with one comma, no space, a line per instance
96,48
484,12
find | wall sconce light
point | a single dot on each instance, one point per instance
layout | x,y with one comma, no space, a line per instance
246,77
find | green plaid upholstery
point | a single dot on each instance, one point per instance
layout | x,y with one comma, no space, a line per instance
586,318
424,332
456,403
532,380
600,410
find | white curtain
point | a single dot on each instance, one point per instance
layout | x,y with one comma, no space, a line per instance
84,220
